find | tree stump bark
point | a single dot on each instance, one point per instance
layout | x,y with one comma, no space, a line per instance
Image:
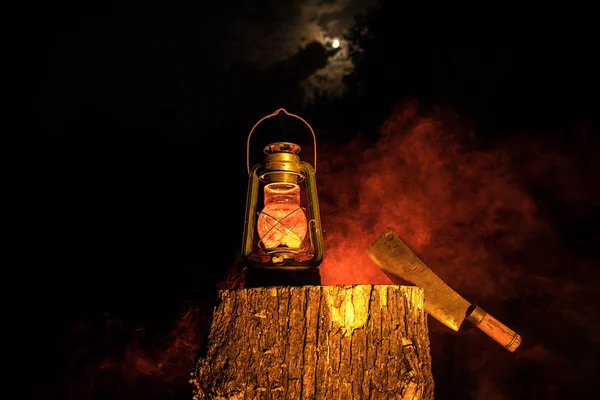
317,342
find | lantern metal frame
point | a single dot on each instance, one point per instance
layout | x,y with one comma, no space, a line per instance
286,168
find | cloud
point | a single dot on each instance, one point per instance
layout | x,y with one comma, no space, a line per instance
268,32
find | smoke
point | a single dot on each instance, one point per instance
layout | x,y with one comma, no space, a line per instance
497,223
510,226
457,206
118,357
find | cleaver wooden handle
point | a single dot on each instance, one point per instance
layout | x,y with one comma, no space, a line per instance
494,328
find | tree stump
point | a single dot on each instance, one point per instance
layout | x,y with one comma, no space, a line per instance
317,342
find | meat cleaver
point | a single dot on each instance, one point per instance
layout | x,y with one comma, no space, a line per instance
397,261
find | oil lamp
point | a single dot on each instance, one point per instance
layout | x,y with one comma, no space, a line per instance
283,240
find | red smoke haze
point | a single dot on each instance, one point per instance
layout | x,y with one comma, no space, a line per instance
476,215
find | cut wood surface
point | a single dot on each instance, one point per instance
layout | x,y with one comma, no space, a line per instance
317,342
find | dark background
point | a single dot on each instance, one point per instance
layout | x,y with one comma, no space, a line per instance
136,193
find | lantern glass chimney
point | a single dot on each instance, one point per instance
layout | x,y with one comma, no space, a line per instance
282,223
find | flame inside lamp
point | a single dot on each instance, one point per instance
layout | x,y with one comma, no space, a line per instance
282,223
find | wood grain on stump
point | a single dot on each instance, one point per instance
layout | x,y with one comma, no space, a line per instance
317,342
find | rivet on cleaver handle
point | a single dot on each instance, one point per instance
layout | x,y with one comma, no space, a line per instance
397,260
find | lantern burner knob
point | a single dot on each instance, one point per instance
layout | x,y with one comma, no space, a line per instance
282,147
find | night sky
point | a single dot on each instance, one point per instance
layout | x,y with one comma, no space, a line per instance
482,153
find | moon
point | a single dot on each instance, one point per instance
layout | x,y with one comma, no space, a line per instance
335,43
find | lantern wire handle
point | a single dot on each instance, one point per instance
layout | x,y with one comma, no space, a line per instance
272,115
